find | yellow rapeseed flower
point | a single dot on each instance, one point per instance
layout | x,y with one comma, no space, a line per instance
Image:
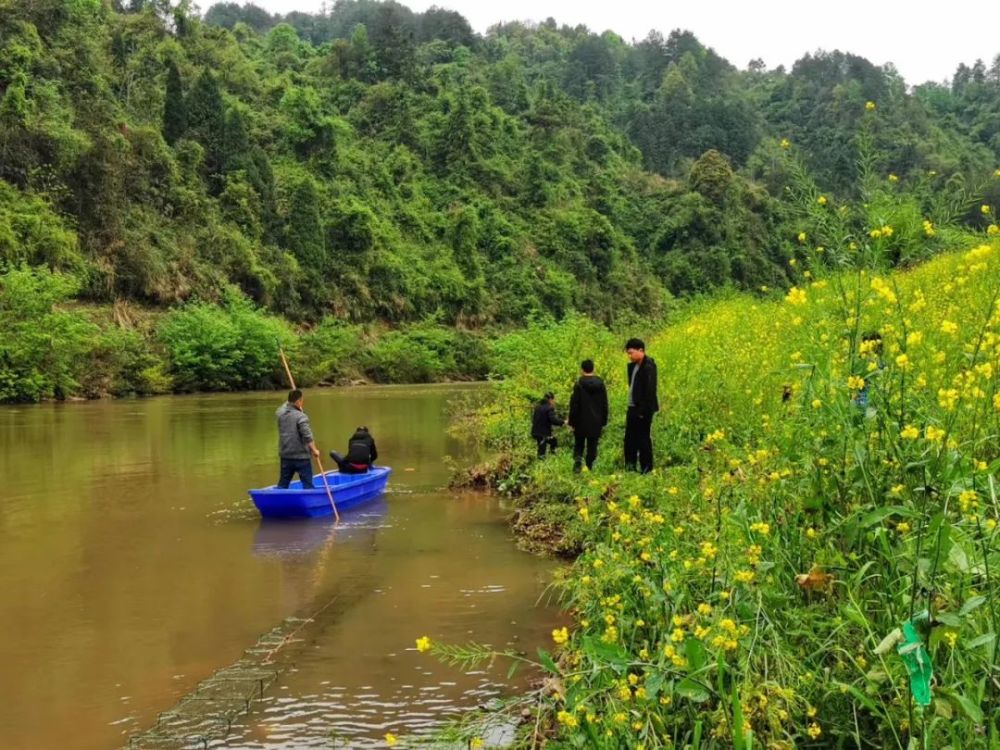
821,200
967,500
984,209
796,296
902,527
855,383
948,327
934,434
390,739
893,178
992,229
566,719
814,731
909,433
803,237
785,143
560,635
869,106
423,644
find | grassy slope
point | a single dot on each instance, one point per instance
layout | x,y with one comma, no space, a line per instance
689,619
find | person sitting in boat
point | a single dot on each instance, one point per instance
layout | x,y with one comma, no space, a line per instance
361,453
296,444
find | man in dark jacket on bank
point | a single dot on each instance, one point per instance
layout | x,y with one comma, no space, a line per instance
361,453
588,414
642,405
296,444
542,422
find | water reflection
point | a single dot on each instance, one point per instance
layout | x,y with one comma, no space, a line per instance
127,580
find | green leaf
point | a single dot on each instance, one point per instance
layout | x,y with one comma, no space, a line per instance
972,604
694,650
949,618
612,653
983,640
738,740
693,691
546,661
878,515
958,558
943,709
861,698
654,684
969,708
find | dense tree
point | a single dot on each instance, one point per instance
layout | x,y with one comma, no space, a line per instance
375,162
174,108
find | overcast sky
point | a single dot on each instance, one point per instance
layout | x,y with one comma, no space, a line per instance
925,40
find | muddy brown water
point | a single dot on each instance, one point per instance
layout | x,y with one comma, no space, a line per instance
132,567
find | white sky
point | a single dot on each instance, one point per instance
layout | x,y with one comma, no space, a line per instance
926,40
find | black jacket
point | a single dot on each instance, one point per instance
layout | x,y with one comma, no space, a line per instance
588,406
644,396
361,449
543,420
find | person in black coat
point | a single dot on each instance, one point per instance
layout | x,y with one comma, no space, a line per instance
361,453
588,414
542,422
642,405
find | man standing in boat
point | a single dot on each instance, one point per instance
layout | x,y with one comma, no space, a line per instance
296,444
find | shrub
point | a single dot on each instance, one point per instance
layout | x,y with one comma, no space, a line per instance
228,347
42,349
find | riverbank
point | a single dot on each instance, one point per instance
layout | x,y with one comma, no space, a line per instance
52,348
760,587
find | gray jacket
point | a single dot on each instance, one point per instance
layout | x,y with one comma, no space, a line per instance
294,432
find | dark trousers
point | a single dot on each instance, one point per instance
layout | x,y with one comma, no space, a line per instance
291,466
638,443
345,467
585,445
546,443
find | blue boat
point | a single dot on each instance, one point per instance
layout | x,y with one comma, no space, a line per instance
349,491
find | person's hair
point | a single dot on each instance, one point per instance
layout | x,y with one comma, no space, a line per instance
587,366
871,336
294,395
549,395
635,344
362,429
